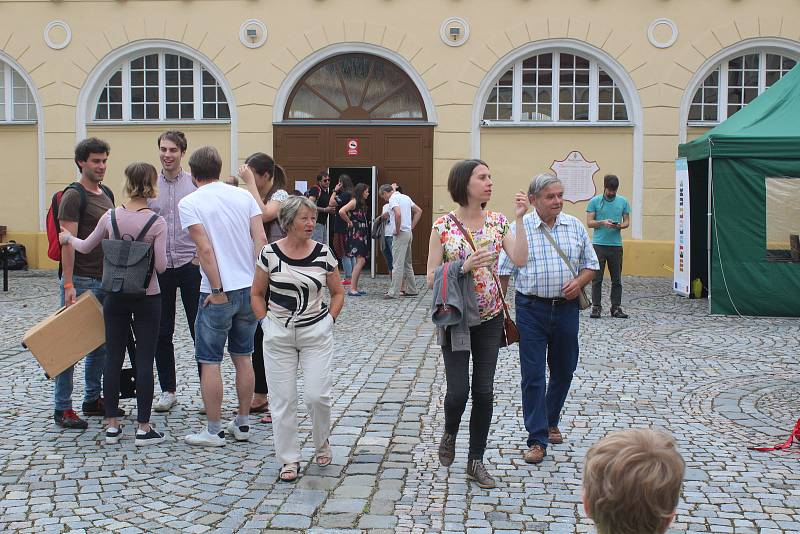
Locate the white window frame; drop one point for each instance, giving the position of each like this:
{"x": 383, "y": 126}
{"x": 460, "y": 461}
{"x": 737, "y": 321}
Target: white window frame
{"x": 8, "y": 95}
{"x": 197, "y": 96}
{"x": 722, "y": 86}
{"x": 516, "y": 102}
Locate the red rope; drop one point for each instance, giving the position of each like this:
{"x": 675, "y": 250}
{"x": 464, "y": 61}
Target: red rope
{"x": 795, "y": 435}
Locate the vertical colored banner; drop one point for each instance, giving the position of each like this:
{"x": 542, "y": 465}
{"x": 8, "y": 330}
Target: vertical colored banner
{"x": 682, "y": 263}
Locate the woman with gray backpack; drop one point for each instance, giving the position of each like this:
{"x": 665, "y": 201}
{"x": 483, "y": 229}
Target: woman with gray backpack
{"x": 134, "y": 245}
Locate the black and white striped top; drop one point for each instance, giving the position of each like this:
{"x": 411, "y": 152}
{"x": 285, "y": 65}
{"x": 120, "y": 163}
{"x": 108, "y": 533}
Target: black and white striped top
{"x": 295, "y": 286}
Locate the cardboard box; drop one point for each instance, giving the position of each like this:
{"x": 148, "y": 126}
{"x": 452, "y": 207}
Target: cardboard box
{"x": 62, "y": 339}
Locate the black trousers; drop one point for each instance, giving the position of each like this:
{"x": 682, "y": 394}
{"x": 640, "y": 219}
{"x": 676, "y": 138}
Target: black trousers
{"x": 258, "y": 362}
{"x": 187, "y": 279}
{"x": 612, "y": 256}
{"x": 146, "y": 315}
{"x": 485, "y": 341}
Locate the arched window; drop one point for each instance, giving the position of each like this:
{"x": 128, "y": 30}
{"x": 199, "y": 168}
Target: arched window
{"x": 555, "y": 87}
{"x": 16, "y": 99}
{"x": 161, "y": 86}
{"x": 735, "y": 82}
{"x": 355, "y": 87}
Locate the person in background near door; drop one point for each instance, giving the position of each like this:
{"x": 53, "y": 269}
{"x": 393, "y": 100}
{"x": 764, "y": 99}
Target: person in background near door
{"x": 232, "y": 180}
{"x": 266, "y": 181}
{"x": 320, "y": 194}
{"x": 131, "y": 220}
{"x": 342, "y": 194}
{"x": 547, "y": 310}
{"x": 183, "y": 271}
{"x": 470, "y": 185}
{"x": 608, "y": 214}
{"x": 388, "y": 234}
{"x": 356, "y": 217}
{"x": 82, "y": 273}
{"x": 406, "y": 217}
{"x": 226, "y": 225}
{"x": 298, "y": 331}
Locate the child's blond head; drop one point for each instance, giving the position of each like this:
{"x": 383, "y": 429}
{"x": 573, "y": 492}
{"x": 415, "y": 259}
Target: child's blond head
{"x": 632, "y": 482}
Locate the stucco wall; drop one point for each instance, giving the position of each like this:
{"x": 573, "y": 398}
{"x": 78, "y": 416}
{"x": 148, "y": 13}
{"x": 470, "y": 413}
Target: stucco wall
{"x": 451, "y": 77}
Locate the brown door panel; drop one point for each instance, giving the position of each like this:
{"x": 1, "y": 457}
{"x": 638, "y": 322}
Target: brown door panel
{"x": 401, "y": 153}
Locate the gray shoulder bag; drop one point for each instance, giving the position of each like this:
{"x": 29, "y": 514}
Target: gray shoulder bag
{"x": 583, "y": 298}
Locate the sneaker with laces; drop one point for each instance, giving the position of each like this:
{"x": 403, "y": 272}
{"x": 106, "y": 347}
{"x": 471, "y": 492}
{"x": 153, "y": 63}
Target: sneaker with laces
{"x": 477, "y": 471}
{"x": 596, "y": 311}
{"x": 165, "y": 402}
{"x": 113, "y": 435}
{"x": 447, "y": 449}
{"x": 205, "y": 439}
{"x": 618, "y": 313}
{"x": 151, "y": 437}
{"x": 98, "y": 407}
{"x": 241, "y": 433}
{"x": 69, "y": 419}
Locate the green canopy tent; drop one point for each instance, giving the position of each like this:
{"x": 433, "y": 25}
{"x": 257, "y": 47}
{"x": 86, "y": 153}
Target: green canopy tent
{"x": 744, "y": 178}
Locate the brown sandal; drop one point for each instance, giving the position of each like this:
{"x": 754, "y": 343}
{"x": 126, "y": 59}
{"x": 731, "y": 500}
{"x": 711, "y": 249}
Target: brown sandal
{"x": 289, "y": 472}
{"x": 324, "y": 455}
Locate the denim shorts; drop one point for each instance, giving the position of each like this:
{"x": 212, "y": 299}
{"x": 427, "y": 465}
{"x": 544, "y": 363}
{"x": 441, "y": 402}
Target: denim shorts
{"x": 233, "y": 321}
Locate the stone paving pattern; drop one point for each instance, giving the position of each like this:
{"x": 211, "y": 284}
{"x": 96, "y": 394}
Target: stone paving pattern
{"x": 716, "y": 383}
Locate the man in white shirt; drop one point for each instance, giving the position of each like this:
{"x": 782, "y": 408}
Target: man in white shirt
{"x": 225, "y": 224}
{"x": 406, "y": 217}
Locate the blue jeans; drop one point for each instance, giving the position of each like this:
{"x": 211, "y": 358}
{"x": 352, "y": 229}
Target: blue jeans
{"x": 387, "y": 251}
{"x": 233, "y": 321}
{"x": 95, "y": 361}
{"x": 547, "y": 333}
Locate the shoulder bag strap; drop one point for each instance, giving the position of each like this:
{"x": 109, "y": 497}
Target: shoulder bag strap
{"x": 146, "y": 227}
{"x": 444, "y": 282}
{"x": 558, "y": 249}
{"x": 468, "y": 236}
{"x": 114, "y": 226}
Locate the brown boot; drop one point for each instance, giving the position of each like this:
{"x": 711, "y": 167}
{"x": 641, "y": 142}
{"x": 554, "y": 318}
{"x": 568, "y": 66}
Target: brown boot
{"x": 554, "y": 435}
{"x": 534, "y": 454}
{"x": 477, "y": 471}
{"x": 447, "y": 449}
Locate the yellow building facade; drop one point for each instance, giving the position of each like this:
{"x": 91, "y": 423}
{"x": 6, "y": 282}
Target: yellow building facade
{"x": 521, "y": 84}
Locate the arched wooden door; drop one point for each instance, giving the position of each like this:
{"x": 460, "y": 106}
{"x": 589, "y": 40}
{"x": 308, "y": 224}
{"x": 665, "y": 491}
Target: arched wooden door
{"x": 373, "y": 101}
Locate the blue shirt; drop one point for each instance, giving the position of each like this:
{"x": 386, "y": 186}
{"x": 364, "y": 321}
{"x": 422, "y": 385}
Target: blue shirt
{"x": 608, "y": 209}
{"x": 546, "y": 273}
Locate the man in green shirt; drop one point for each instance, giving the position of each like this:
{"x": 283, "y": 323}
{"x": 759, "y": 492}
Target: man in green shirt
{"x": 608, "y": 214}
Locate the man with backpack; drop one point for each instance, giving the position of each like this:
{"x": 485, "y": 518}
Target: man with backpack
{"x": 80, "y": 208}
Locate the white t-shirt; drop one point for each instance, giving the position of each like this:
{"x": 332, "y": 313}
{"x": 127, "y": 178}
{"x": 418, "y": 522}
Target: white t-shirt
{"x": 388, "y": 230}
{"x": 404, "y": 202}
{"x": 225, "y": 214}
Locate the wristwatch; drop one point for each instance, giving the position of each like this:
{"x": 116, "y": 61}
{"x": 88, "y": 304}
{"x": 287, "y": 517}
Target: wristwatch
{"x": 217, "y": 290}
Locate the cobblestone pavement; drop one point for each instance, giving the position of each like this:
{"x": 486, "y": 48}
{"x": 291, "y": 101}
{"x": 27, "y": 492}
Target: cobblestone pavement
{"x": 718, "y": 384}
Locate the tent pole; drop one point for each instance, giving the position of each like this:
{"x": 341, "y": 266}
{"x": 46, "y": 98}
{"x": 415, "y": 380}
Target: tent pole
{"x": 708, "y": 232}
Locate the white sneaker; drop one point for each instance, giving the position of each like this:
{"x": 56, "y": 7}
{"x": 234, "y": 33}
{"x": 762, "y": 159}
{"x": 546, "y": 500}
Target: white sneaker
{"x": 206, "y": 439}
{"x": 241, "y": 433}
{"x": 165, "y": 402}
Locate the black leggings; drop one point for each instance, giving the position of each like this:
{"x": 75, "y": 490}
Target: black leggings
{"x": 117, "y": 312}
{"x": 485, "y": 339}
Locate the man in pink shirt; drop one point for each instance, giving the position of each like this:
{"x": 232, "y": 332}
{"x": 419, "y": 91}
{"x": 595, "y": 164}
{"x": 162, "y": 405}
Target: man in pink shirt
{"x": 183, "y": 270}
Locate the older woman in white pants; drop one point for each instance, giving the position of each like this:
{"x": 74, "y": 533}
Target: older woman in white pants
{"x": 298, "y": 330}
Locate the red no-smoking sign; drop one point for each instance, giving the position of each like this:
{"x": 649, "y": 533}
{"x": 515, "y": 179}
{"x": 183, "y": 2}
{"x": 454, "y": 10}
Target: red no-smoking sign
{"x": 352, "y": 147}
